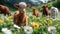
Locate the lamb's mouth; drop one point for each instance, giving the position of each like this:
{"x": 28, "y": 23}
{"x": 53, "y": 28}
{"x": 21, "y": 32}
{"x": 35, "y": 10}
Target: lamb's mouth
{"x": 22, "y": 12}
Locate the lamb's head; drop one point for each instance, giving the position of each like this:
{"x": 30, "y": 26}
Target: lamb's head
{"x": 44, "y": 6}
{"x": 34, "y": 9}
{"x": 22, "y": 5}
{"x": 54, "y": 9}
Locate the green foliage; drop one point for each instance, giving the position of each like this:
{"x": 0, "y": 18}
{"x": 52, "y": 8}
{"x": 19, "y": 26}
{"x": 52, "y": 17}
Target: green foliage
{"x": 50, "y": 5}
{"x": 41, "y": 30}
{"x": 56, "y": 3}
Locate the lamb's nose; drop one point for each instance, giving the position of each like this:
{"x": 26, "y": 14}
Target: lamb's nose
{"x": 22, "y": 12}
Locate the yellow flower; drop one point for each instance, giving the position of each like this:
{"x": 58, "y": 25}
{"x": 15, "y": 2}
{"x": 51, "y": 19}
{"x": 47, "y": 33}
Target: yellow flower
{"x": 9, "y": 17}
{"x": 45, "y": 21}
{"x": 36, "y": 25}
{"x": 1, "y": 21}
{"x": 49, "y": 21}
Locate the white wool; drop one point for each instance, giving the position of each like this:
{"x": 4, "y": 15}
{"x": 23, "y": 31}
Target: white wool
{"x": 22, "y": 4}
{"x": 52, "y": 7}
{"x": 54, "y": 12}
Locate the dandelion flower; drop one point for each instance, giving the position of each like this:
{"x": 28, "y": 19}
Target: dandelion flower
{"x": 49, "y": 21}
{"x": 1, "y": 21}
{"x": 36, "y": 25}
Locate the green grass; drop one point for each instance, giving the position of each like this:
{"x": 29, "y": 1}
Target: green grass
{"x": 42, "y": 29}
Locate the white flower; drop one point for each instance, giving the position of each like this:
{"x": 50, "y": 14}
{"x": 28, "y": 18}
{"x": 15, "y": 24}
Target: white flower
{"x": 29, "y": 14}
{"x": 52, "y": 29}
{"x": 6, "y": 31}
{"x": 16, "y": 26}
{"x": 28, "y": 30}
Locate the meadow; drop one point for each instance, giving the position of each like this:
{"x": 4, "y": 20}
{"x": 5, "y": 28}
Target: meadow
{"x": 39, "y": 24}
{"x": 36, "y": 25}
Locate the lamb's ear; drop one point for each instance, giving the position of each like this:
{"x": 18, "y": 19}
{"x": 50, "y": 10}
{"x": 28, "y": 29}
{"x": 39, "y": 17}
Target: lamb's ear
{"x": 16, "y": 5}
{"x": 28, "y": 5}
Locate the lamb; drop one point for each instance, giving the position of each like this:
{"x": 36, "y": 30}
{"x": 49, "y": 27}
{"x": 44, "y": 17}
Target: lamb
{"x": 46, "y": 11}
{"x": 54, "y": 12}
{"x": 4, "y": 10}
{"x": 20, "y": 17}
{"x": 35, "y": 12}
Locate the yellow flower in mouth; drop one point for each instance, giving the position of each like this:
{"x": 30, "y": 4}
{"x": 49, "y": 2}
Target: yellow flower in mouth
{"x": 36, "y": 25}
{"x": 1, "y": 21}
{"x": 45, "y": 21}
{"x": 49, "y": 21}
{"x": 9, "y": 17}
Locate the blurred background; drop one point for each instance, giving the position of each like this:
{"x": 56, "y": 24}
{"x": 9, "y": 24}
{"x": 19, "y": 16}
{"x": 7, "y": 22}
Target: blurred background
{"x": 33, "y": 3}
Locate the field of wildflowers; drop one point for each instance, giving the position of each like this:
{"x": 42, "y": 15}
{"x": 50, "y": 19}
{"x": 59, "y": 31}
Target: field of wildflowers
{"x": 36, "y": 25}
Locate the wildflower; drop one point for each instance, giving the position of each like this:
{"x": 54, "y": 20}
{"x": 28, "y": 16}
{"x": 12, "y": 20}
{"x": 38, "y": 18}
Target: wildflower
{"x": 1, "y": 21}
{"x": 29, "y": 14}
{"x": 6, "y": 31}
{"x": 28, "y": 30}
{"x": 9, "y": 17}
{"x": 36, "y": 25}
{"x": 52, "y": 29}
{"x": 45, "y": 21}
{"x": 49, "y": 21}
